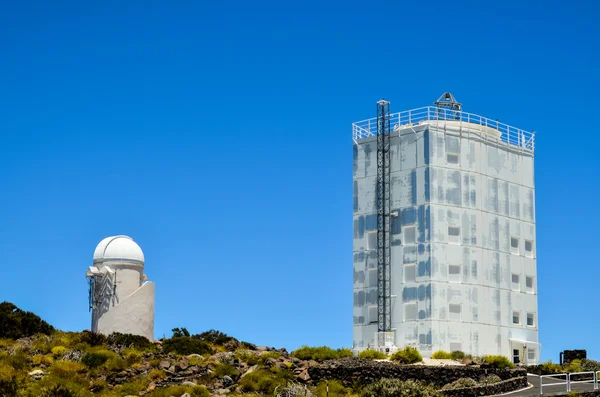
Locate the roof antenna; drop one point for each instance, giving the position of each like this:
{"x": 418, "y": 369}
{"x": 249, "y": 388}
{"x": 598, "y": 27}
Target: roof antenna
{"x": 447, "y": 100}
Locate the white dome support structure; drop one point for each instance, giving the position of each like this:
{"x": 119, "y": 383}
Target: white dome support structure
{"x": 120, "y": 298}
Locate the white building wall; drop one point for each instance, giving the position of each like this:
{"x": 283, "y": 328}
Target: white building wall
{"x": 466, "y": 199}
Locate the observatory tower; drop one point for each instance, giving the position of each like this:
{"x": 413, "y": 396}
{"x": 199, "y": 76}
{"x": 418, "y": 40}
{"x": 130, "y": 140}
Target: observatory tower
{"x": 120, "y": 298}
{"x": 444, "y": 233}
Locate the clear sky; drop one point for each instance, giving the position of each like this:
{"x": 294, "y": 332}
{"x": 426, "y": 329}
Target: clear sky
{"x": 218, "y": 136}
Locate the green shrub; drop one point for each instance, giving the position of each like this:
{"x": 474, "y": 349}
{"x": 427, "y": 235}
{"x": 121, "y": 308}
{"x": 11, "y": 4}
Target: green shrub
{"x": 263, "y": 381}
{"x": 9, "y": 387}
{"x": 460, "y": 384}
{"x": 408, "y": 355}
{"x": 441, "y": 355}
{"x": 248, "y": 356}
{"x": 336, "y": 389}
{"x": 265, "y": 356}
{"x": 498, "y": 361}
{"x": 397, "y": 388}
{"x": 457, "y": 355}
{"x": 186, "y": 345}
{"x": 92, "y": 338}
{"x": 18, "y": 360}
{"x": 573, "y": 366}
{"x": 321, "y": 353}
{"x": 590, "y": 365}
{"x": 129, "y": 340}
{"x": 95, "y": 359}
{"x": 195, "y": 391}
{"x": 549, "y": 367}
{"x": 213, "y": 336}
{"x": 221, "y": 370}
{"x": 372, "y": 355}
{"x": 58, "y": 351}
{"x": 66, "y": 369}
{"x": 490, "y": 379}
{"x": 16, "y": 323}
{"x": 58, "y": 391}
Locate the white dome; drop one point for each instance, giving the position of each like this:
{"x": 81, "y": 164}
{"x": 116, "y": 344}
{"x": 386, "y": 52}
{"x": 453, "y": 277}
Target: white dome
{"x": 120, "y": 248}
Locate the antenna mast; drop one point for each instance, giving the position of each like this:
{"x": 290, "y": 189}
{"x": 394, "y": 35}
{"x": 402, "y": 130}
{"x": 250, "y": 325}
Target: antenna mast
{"x": 384, "y": 322}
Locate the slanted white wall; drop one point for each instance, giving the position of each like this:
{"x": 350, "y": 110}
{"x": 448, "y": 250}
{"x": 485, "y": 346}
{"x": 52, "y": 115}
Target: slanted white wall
{"x": 134, "y": 315}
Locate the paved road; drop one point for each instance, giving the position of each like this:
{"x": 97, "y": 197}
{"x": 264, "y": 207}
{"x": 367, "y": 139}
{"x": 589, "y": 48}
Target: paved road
{"x": 534, "y": 389}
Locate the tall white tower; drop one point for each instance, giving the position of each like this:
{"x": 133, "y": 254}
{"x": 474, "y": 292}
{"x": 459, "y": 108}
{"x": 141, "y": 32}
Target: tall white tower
{"x": 444, "y": 233}
{"x": 121, "y": 300}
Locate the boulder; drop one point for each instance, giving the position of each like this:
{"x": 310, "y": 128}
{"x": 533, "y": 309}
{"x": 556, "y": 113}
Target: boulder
{"x": 36, "y": 374}
{"x": 164, "y": 364}
{"x": 227, "y": 381}
{"x": 188, "y": 383}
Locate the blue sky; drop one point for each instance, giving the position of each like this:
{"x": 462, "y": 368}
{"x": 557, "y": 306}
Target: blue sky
{"x": 218, "y": 136}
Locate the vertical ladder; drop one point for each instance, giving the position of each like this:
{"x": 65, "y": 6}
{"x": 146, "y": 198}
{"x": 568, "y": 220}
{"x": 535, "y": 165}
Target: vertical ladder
{"x": 384, "y": 322}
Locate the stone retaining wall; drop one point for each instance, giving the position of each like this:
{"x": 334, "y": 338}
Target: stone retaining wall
{"x": 497, "y": 388}
{"x": 351, "y": 370}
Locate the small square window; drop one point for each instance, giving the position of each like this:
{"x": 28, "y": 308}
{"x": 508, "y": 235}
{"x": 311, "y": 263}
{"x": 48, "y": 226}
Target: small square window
{"x": 516, "y": 285}
{"x": 453, "y": 234}
{"x": 529, "y": 248}
{"x": 452, "y": 158}
{"x": 409, "y": 235}
{"x": 373, "y": 278}
{"x": 529, "y": 283}
{"x": 373, "y": 315}
{"x": 454, "y": 272}
{"x": 530, "y": 320}
{"x": 515, "y": 317}
{"x": 514, "y": 245}
{"x": 410, "y": 273}
{"x": 455, "y": 347}
{"x": 454, "y": 310}
{"x": 410, "y": 312}
{"x": 530, "y": 355}
{"x": 372, "y": 240}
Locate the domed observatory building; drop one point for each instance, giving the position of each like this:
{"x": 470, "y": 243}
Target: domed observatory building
{"x": 120, "y": 297}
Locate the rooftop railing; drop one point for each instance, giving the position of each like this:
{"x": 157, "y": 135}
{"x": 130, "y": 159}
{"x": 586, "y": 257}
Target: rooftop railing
{"x": 511, "y": 136}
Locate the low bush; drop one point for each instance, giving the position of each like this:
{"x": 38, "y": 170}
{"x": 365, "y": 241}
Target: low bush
{"x": 321, "y": 353}
{"x": 408, "y": 355}
{"x": 42, "y": 359}
{"x": 332, "y": 388}
{"x": 215, "y": 337}
{"x": 490, "y": 379}
{"x": 549, "y": 367}
{"x": 590, "y": 365}
{"x": 248, "y": 356}
{"x": 441, "y": 355}
{"x": 397, "y": 388}
{"x": 92, "y": 338}
{"x": 58, "y": 351}
{"x": 9, "y": 387}
{"x": 129, "y": 340}
{"x": 372, "y": 355}
{"x": 195, "y": 391}
{"x": 18, "y": 360}
{"x": 500, "y": 362}
{"x": 58, "y": 391}
{"x": 457, "y": 355}
{"x": 460, "y": 384}
{"x": 95, "y": 359}
{"x": 573, "y": 366}
{"x": 263, "y": 381}
{"x": 186, "y": 345}
{"x": 156, "y": 374}
{"x": 221, "y": 370}
{"x": 66, "y": 369}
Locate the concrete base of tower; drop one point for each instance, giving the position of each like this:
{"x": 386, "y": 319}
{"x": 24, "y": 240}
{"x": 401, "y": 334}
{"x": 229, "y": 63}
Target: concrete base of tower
{"x": 385, "y": 342}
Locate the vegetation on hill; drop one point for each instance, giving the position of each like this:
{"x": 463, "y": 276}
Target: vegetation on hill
{"x": 16, "y": 323}
{"x": 37, "y": 360}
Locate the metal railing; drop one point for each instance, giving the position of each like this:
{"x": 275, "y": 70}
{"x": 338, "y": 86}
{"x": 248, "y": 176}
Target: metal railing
{"x": 595, "y": 377}
{"x": 512, "y": 136}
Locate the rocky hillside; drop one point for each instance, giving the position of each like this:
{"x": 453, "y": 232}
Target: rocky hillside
{"x": 37, "y": 360}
